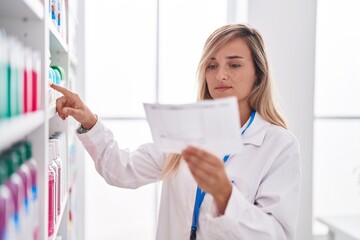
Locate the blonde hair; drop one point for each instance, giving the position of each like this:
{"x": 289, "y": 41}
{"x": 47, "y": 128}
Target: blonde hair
{"x": 261, "y": 97}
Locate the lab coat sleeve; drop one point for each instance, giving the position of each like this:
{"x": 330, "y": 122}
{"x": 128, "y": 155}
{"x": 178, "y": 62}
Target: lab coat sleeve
{"x": 120, "y": 167}
{"x": 275, "y": 211}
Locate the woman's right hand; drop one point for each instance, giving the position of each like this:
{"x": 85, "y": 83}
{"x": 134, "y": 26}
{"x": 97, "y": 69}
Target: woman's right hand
{"x": 71, "y": 105}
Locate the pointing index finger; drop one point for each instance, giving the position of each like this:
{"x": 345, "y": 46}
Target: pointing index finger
{"x": 60, "y": 89}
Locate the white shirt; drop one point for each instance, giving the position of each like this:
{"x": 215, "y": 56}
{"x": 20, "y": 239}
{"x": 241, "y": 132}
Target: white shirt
{"x": 266, "y": 185}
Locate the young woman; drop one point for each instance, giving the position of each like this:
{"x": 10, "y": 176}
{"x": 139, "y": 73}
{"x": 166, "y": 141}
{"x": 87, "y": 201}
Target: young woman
{"x": 250, "y": 195}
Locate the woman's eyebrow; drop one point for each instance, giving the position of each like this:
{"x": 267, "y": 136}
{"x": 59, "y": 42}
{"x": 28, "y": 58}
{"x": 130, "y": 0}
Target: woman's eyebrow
{"x": 229, "y": 57}
{"x": 233, "y": 57}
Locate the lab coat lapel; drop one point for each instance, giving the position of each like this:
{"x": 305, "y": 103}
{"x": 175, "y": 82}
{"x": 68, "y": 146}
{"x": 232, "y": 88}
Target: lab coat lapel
{"x": 256, "y": 132}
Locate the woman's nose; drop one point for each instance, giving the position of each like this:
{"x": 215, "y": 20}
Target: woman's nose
{"x": 222, "y": 74}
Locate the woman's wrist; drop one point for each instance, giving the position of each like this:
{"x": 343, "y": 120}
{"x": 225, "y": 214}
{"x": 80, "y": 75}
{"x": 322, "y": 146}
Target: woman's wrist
{"x": 90, "y": 123}
{"x": 222, "y": 198}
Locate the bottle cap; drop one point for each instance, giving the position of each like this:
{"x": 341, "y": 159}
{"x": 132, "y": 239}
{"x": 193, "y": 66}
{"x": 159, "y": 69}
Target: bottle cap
{"x": 57, "y": 76}
{"x": 61, "y": 71}
{"x": 12, "y": 161}
{"x": 3, "y": 171}
{"x": 21, "y": 152}
{"x": 28, "y": 148}
{"x": 51, "y": 75}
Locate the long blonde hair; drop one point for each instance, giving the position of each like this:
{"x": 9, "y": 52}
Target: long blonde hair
{"x": 261, "y": 96}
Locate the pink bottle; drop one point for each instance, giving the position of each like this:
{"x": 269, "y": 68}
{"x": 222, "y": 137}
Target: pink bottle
{"x": 52, "y": 156}
{"x": 58, "y": 162}
{"x": 51, "y": 219}
{"x": 24, "y": 172}
{"x": 27, "y": 98}
{"x": 3, "y": 218}
{"x": 36, "y": 68}
{"x": 6, "y": 205}
{"x": 15, "y": 185}
{"x": 33, "y": 199}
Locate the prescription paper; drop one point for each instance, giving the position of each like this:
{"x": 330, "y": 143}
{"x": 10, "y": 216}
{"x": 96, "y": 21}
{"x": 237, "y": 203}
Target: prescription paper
{"x": 213, "y": 125}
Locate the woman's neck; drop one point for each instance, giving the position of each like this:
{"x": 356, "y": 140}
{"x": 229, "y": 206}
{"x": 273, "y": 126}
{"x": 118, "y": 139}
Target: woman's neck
{"x": 245, "y": 112}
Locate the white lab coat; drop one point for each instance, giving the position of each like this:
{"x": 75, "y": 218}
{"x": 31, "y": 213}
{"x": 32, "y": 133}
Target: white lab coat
{"x": 266, "y": 183}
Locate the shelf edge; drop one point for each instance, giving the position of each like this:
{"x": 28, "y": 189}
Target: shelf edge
{"x": 15, "y": 129}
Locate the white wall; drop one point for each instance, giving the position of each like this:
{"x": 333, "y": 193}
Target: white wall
{"x": 288, "y": 28}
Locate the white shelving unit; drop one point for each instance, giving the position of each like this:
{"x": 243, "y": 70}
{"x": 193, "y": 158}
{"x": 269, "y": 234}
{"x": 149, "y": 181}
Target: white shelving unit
{"x": 19, "y": 127}
{"x": 28, "y": 21}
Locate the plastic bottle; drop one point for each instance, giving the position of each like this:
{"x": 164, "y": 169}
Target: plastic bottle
{"x": 15, "y": 76}
{"x": 61, "y": 71}
{"x": 54, "y": 166}
{"x": 51, "y": 203}
{"x": 53, "y": 12}
{"x": 56, "y": 80}
{"x": 10, "y": 52}
{"x": 63, "y": 156}
{"x": 58, "y": 162}
{"x": 56, "y": 76}
{"x": 15, "y": 185}
{"x": 4, "y": 201}
{"x": 7, "y": 228}
{"x": 27, "y": 93}
{"x": 36, "y": 93}
{"x": 24, "y": 172}
{"x": 51, "y": 91}
{"x": 58, "y": 15}
{"x": 34, "y": 202}
{"x": 4, "y": 93}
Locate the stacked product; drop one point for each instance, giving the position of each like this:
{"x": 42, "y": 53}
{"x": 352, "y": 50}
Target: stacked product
{"x": 19, "y": 77}
{"x": 18, "y": 193}
{"x": 57, "y": 176}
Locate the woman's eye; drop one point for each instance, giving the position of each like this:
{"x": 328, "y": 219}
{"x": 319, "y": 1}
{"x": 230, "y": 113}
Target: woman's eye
{"x": 211, "y": 66}
{"x": 235, "y": 65}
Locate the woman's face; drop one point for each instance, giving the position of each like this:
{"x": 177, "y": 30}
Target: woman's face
{"x": 231, "y": 72}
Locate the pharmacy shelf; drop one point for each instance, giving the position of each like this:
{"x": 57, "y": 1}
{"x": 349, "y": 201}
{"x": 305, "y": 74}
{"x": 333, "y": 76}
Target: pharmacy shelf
{"x": 57, "y": 43}
{"x": 51, "y": 112}
{"x": 63, "y": 208}
{"x": 17, "y": 128}
{"x": 22, "y": 9}
{"x": 29, "y": 21}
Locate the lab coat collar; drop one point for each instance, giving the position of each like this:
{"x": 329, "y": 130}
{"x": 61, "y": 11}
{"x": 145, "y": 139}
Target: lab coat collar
{"x": 256, "y": 132}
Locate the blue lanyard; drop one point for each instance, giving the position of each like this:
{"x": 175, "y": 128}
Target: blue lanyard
{"x": 201, "y": 194}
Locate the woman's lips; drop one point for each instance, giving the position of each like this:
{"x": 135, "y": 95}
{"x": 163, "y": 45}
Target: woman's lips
{"x": 222, "y": 88}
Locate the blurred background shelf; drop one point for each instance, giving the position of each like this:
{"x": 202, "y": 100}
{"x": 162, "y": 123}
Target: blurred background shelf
{"x": 23, "y": 9}
{"x": 57, "y": 43}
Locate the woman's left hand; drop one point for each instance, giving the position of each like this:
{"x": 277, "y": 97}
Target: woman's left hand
{"x": 209, "y": 172}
